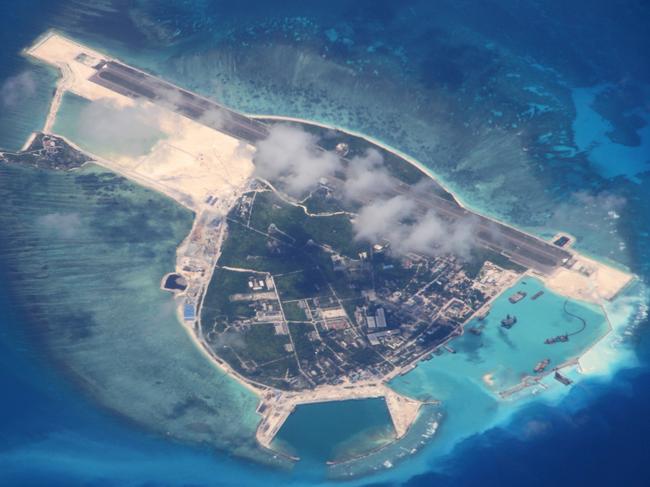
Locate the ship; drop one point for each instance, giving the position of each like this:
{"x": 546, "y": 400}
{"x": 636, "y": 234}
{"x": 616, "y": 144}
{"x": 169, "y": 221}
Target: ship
{"x": 557, "y": 339}
{"x": 509, "y": 321}
{"x": 562, "y": 379}
{"x": 541, "y": 366}
{"x": 537, "y": 295}
{"x": 518, "y": 296}
{"x": 475, "y": 331}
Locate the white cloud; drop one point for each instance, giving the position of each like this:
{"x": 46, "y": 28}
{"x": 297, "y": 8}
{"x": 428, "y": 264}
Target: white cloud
{"x": 383, "y": 219}
{"x": 128, "y": 129}
{"x": 366, "y": 177}
{"x": 214, "y": 118}
{"x": 394, "y": 220}
{"x": 291, "y": 155}
{"x": 17, "y": 88}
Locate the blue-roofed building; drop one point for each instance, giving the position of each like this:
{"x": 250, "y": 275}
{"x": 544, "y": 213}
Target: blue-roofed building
{"x": 189, "y": 314}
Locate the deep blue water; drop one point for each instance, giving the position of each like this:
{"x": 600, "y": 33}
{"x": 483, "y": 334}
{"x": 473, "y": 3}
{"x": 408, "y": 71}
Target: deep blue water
{"x": 487, "y": 78}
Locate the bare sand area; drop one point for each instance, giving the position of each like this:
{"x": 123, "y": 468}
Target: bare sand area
{"x": 588, "y": 280}
{"x": 193, "y": 162}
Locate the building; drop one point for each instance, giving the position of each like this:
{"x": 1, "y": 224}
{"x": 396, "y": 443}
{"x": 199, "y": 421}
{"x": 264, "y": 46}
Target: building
{"x": 373, "y": 338}
{"x": 381, "y": 318}
{"x": 189, "y": 313}
{"x": 372, "y": 323}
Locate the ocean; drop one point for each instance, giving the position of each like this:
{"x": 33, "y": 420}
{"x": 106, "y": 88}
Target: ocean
{"x": 536, "y": 113}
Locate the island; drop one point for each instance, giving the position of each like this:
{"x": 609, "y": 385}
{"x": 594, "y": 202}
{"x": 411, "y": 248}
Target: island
{"x": 284, "y": 288}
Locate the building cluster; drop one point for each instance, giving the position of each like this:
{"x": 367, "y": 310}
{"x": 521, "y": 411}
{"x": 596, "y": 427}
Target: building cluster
{"x": 379, "y": 313}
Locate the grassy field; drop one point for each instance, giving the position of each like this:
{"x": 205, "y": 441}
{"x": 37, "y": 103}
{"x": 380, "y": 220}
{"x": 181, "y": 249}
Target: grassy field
{"x": 248, "y": 249}
{"x": 307, "y": 283}
{"x": 293, "y": 312}
{"x": 217, "y": 307}
{"x": 260, "y": 343}
{"x": 304, "y": 347}
{"x": 298, "y": 228}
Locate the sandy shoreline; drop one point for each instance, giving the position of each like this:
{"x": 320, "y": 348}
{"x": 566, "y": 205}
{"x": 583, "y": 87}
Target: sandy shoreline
{"x": 603, "y": 283}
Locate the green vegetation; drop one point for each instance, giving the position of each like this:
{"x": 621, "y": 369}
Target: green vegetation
{"x": 261, "y": 344}
{"x": 404, "y": 172}
{"x": 307, "y": 283}
{"x": 316, "y": 260}
{"x": 390, "y": 273}
{"x": 47, "y": 152}
{"x": 276, "y": 372}
{"x": 295, "y": 227}
{"x": 248, "y": 249}
{"x": 305, "y": 348}
{"x": 320, "y": 202}
{"x": 259, "y": 353}
{"x": 293, "y": 312}
{"x": 350, "y": 304}
{"x": 217, "y": 307}
{"x": 358, "y": 146}
{"x": 342, "y": 285}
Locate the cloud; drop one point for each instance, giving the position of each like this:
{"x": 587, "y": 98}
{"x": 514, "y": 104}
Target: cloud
{"x": 395, "y": 220}
{"x": 17, "y": 88}
{"x": 244, "y": 150}
{"x": 383, "y": 219}
{"x": 130, "y": 129}
{"x": 65, "y": 225}
{"x": 215, "y": 118}
{"x": 432, "y": 235}
{"x": 291, "y": 155}
{"x": 366, "y": 177}
{"x": 172, "y": 99}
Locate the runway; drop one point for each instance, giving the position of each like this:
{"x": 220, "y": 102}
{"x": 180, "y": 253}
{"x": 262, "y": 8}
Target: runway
{"x": 522, "y": 248}
{"x": 136, "y": 84}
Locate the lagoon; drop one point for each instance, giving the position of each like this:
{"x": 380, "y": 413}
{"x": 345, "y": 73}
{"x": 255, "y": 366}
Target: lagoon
{"x": 335, "y": 431}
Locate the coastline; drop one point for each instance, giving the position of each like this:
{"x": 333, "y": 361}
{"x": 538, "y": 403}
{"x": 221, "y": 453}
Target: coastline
{"x": 63, "y": 86}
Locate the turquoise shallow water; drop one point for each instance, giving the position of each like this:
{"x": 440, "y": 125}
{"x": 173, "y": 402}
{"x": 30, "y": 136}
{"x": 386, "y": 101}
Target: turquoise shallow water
{"x": 465, "y": 89}
{"x": 508, "y": 356}
{"x": 104, "y": 129}
{"x": 85, "y": 253}
{"x": 469, "y": 380}
{"x": 336, "y": 430}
